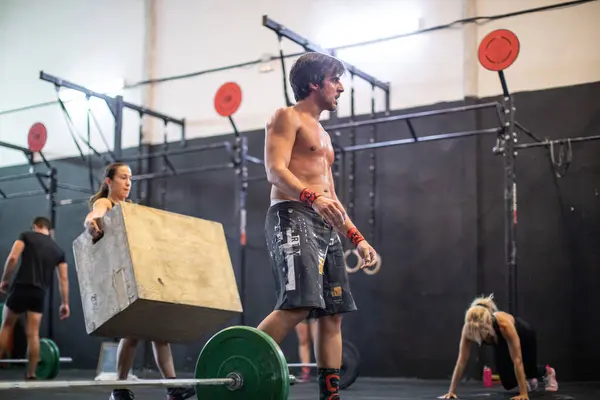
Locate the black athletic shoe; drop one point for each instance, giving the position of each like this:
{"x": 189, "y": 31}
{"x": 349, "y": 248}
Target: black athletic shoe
{"x": 122, "y": 394}
{"x": 181, "y": 393}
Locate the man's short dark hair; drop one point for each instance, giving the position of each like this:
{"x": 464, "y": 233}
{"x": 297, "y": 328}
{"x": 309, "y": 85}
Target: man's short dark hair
{"x": 313, "y": 68}
{"x": 42, "y": 222}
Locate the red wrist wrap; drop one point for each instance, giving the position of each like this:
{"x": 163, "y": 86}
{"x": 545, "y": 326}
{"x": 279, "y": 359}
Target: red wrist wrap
{"x": 355, "y": 236}
{"x": 308, "y": 196}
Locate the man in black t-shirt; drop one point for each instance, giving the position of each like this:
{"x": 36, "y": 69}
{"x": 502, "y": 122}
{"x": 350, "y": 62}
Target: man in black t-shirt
{"x": 40, "y": 255}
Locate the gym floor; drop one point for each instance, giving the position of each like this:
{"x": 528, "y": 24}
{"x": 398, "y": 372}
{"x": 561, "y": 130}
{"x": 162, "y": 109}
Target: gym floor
{"x": 362, "y": 389}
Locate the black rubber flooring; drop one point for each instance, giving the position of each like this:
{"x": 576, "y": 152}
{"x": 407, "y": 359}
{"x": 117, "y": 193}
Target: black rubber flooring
{"x": 363, "y": 389}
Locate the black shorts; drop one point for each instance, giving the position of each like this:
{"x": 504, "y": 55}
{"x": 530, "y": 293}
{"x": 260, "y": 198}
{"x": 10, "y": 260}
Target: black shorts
{"x": 307, "y": 258}
{"x": 22, "y": 298}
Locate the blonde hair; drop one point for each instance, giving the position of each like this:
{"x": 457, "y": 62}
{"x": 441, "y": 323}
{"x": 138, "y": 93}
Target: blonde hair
{"x": 479, "y": 319}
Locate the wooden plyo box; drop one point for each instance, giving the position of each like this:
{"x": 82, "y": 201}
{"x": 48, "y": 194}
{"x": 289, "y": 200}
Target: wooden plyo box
{"x": 155, "y": 275}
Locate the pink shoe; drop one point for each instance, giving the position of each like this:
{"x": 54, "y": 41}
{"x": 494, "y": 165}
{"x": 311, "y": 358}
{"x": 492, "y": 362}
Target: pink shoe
{"x": 550, "y": 380}
{"x": 305, "y": 376}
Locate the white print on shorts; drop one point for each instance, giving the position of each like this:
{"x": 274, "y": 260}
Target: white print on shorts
{"x": 290, "y": 248}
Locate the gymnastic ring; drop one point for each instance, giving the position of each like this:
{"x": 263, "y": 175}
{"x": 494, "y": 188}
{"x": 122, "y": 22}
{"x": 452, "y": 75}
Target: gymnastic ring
{"x": 376, "y": 268}
{"x": 359, "y": 261}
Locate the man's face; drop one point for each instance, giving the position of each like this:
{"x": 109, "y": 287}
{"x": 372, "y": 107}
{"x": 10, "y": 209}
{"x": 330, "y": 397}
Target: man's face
{"x": 329, "y": 92}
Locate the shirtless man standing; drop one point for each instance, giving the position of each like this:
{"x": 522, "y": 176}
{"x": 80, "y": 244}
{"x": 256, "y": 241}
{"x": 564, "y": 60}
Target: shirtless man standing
{"x": 305, "y": 217}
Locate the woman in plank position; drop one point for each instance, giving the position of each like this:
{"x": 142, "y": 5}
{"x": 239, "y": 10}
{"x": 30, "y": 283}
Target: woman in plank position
{"x": 115, "y": 189}
{"x": 514, "y": 344}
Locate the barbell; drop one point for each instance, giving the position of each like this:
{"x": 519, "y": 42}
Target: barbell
{"x": 239, "y": 362}
{"x": 50, "y": 360}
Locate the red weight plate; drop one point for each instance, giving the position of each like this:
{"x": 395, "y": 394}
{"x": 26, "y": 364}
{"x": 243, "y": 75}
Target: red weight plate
{"x": 228, "y": 99}
{"x": 498, "y": 50}
{"x": 37, "y": 137}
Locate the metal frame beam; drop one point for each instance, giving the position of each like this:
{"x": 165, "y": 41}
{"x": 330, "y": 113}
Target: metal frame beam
{"x": 16, "y": 177}
{"x": 15, "y": 147}
{"x": 220, "y": 145}
{"x": 90, "y": 93}
{"x": 402, "y": 117}
{"x": 550, "y": 143}
{"x": 430, "y": 138}
{"x": 187, "y": 171}
{"x": 281, "y": 30}
{"x": 21, "y": 195}
{"x": 116, "y": 105}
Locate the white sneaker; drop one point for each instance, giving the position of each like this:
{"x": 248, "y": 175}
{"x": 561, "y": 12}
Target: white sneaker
{"x": 532, "y": 385}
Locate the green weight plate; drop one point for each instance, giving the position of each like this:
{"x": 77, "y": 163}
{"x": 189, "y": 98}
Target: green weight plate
{"x": 47, "y": 367}
{"x": 56, "y": 360}
{"x": 253, "y": 355}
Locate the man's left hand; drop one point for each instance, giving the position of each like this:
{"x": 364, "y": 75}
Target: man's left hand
{"x": 367, "y": 254}
{"x": 64, "y": 311}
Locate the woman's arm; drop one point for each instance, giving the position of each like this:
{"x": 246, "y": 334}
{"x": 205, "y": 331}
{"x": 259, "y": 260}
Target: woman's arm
{"x": 99, "y": 209}
{"x": 509, "y": 332}
{"x": 464, "y": 352}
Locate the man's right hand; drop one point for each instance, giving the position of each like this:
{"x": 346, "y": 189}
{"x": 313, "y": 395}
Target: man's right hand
{"x": 448, "y": 395}
{"x": 367, "y": 254}
{"x": 331, "y": 210}
{"x": 4, "y": 286}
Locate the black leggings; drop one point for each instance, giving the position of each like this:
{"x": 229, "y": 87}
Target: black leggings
{"x": 506, "y": 368}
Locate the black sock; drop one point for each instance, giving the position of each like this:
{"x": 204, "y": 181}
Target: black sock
{"x": 329, "y": 383}
{"x": 170, "y": 390}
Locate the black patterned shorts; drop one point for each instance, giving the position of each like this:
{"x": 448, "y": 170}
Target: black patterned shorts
{"x": 307, "y": 258}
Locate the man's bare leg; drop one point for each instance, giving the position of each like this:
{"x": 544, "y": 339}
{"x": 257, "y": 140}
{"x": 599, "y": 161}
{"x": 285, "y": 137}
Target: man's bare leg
{"x": 32, "y": 331}
{"x": 328, "y": 352}
{"x": 164, "y": 359}
{"x": 9, "y": 321}
{"x": 280, "y": 322}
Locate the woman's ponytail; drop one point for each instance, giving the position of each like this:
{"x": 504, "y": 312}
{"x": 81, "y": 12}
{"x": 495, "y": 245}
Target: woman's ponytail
{"x": 102, "y": 192}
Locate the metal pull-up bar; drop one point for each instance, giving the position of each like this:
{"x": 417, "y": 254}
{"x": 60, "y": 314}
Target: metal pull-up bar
{"x": 402, "y": 117}
{"x": 90, "y": 93}
{"x": 15, "y": 147}
{"x": 282, "y": 31}
{"x": 443, "y": 136}
{"x": 116, "y": 105}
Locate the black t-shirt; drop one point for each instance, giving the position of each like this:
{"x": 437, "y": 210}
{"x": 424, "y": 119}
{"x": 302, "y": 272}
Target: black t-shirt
{"x": 40, "y": 257}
